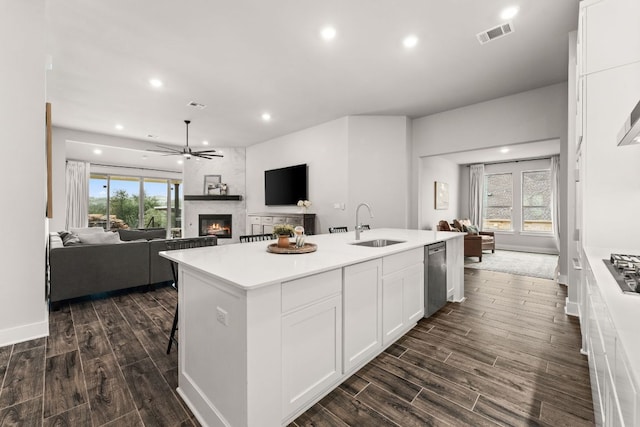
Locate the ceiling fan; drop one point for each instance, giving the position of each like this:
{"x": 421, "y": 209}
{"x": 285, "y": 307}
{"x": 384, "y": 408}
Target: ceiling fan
{"x": 186, "y": 151}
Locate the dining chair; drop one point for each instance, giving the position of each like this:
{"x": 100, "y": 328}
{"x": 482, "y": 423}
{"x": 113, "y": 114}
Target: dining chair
{"x": 338, "y": 229}
{"x": 176, "y": 244}
{"x": 256, "y": 238}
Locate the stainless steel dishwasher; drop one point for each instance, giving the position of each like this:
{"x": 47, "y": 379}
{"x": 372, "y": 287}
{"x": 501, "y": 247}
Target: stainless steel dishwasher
{"x": 435, "y": 277}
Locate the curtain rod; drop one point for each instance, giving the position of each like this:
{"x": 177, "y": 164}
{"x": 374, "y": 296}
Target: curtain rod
{"x": 515, "y": 161}
{"x": 125, "y": 167}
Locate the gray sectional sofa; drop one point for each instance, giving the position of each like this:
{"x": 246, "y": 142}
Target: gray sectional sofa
{"x": 84, "y": 269}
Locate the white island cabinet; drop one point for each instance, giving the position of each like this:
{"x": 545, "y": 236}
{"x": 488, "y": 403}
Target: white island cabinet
{"x": 264, "y": 336}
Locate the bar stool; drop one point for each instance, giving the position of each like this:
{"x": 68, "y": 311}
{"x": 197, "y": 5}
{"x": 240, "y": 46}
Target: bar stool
{"x": 187, "y": 243}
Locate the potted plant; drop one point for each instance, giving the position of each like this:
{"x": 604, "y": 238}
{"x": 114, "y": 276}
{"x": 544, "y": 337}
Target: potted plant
{"x": 283, "y": 231}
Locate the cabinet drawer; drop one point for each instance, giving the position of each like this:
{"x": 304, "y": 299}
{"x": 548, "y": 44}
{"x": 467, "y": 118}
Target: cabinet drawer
{"x": 402, "y": 260}
{"x": 279, "y": 220}
{"x": 266, "y": 220}
{"x": 254, "y": 220}
{"x": 300, "y": 292}
{"x": 294, "y": 220}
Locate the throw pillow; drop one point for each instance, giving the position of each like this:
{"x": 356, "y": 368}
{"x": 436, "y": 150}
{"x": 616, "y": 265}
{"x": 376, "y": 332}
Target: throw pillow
{"x": 472, "y": 229}
{"x": 87, "y": 230}
{"x": 99, "y": 238}
{"x": 69, "y": 238}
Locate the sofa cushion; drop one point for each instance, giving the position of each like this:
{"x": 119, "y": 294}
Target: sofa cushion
{"x": 99, "y": 238}
{"x": 68, "y": 238}
{"x": 472, "y": 229}
{"x": 86, "y": 230}
{"x": 156, "y": 233}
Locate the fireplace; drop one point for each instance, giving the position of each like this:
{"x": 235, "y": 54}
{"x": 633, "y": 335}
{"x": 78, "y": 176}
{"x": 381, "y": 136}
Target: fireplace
{"x": 215, "y": 225}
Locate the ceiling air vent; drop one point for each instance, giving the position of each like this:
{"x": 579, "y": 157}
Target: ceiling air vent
{"x": 197, "y": 105}
{"x": 495, "y": 33}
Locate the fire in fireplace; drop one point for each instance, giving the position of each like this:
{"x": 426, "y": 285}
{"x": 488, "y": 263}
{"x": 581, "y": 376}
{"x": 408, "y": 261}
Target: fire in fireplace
{"x": 215, "y": 225}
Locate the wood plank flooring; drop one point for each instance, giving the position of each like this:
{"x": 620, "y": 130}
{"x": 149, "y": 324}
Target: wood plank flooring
{"x": 506, "y": 356}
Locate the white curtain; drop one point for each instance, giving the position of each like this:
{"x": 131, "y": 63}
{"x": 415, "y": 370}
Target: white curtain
{"x": 77, "y": 185}
{"x": 476, "y": 190}
{"x": 555, "y": 198}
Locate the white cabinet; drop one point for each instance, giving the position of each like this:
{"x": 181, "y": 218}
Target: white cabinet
{"x": 262, "y": 223}
{"x": 610, "y": 34}
{"x": 614, "y": 391}
{"x": 362, "y": 309}
{"x": 402, "y": 293}
{"x": 311, "y": 338}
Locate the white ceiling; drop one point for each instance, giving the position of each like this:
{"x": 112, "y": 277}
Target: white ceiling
{"x": 244, "y": 57}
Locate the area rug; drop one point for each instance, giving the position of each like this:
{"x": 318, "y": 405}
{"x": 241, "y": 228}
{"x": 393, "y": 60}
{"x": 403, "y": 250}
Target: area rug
{"x": 519, "y": 263}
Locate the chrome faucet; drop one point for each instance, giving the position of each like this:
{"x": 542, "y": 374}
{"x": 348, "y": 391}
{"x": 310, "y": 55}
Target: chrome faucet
{"x": 358, "y": 225}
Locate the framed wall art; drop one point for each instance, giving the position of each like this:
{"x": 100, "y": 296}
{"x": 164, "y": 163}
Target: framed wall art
{"x": 441, "y": 195}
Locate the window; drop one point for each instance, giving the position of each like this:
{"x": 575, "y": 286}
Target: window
{"x": 498, "y": 202}
{"x": 134, "y": 202}
{"x": 536, "y": 201}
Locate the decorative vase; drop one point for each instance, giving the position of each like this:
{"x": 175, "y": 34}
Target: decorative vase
{"x": 283, "y": 240}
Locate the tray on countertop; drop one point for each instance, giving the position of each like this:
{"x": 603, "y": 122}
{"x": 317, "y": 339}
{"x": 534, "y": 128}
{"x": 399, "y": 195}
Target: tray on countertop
{"x": 292, "y": 249}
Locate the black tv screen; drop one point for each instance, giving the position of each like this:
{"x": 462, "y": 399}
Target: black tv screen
{"x": 285, "y": 186}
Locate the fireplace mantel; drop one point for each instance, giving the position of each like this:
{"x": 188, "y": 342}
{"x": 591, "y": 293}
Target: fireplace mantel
{"x": 194, "y": 197}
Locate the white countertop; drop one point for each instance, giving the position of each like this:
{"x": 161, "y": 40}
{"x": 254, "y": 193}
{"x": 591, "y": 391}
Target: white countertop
{"x": 623, "y": 309}
{"x": 249, "y": 265}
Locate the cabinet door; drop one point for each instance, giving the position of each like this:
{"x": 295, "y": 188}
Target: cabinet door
{"x": 311, "y": 352}
{"x": 402, "y": 301}
{"x": 612, "y": 34}
{"x": 256, "y": 229}
{"x": 267, "y": 229}
{"x": 413, "y": 292}
{"x": 362, "y": 299}
{"x": 392, "y": 300}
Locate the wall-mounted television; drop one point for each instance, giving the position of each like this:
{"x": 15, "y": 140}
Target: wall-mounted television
{"x": 285, "y": 186}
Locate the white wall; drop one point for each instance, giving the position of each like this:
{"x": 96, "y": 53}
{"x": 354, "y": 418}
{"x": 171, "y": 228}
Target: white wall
{"x": 351, "y": 160}
{"x": 23, "y": 309}
{"x": 377, "y": 168}
{"x": 232, "y": 169}
{"x": 434, "y": 169}
{"x": 324, "y": 149}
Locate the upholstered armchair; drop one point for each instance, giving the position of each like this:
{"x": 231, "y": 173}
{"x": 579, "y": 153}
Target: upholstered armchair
{"x": 474, "y": 241}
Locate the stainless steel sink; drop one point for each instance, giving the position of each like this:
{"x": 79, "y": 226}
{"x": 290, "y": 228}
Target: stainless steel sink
{"x": 377, "y": 243}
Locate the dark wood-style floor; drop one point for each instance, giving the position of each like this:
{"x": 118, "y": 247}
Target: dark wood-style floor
{"x": 506, "y": 356}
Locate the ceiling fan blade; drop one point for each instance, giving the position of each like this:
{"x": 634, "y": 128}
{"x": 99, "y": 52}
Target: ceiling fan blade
{"x": 165, "y": 149}
{"x": 205, "y": 151}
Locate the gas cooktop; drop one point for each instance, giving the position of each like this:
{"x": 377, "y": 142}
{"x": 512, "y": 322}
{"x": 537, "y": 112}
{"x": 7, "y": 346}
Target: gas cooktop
{"x": 626, "y": 270}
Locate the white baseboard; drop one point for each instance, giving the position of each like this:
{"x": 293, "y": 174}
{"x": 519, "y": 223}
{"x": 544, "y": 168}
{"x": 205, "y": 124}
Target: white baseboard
{"x": 527, "y": 249}
{"x": 562, "y": 279}
{"x": 24, "y": 333}
{"x": 571, "y": 308}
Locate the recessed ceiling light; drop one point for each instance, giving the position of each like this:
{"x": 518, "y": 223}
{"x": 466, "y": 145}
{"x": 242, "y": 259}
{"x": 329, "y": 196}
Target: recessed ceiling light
{"x": 119, "y": 127}
{"x": 179, "y": 162}
{"x": 637, "y": 139}
{"x": 328, "y": 33}
{"x": 97, "y": 151}
{"x": 155, "y": 82}
{"x": 266, "y": 117}
{"x": 509, "y": 12}
{"x": 410, "y": 41}
{"x": 205, "y": 142}
{"x": 504, "y": 150}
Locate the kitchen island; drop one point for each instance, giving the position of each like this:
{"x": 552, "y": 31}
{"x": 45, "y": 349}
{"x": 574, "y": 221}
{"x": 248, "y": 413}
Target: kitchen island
{"x": 264, "y": 336}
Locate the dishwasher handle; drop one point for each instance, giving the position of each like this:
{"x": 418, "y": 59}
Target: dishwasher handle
{"x": 434, "y": 249}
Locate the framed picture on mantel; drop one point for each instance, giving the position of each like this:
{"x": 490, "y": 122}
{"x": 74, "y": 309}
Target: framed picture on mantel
{"x": 212, "y": 184}
{"x": 442, "y": 195}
